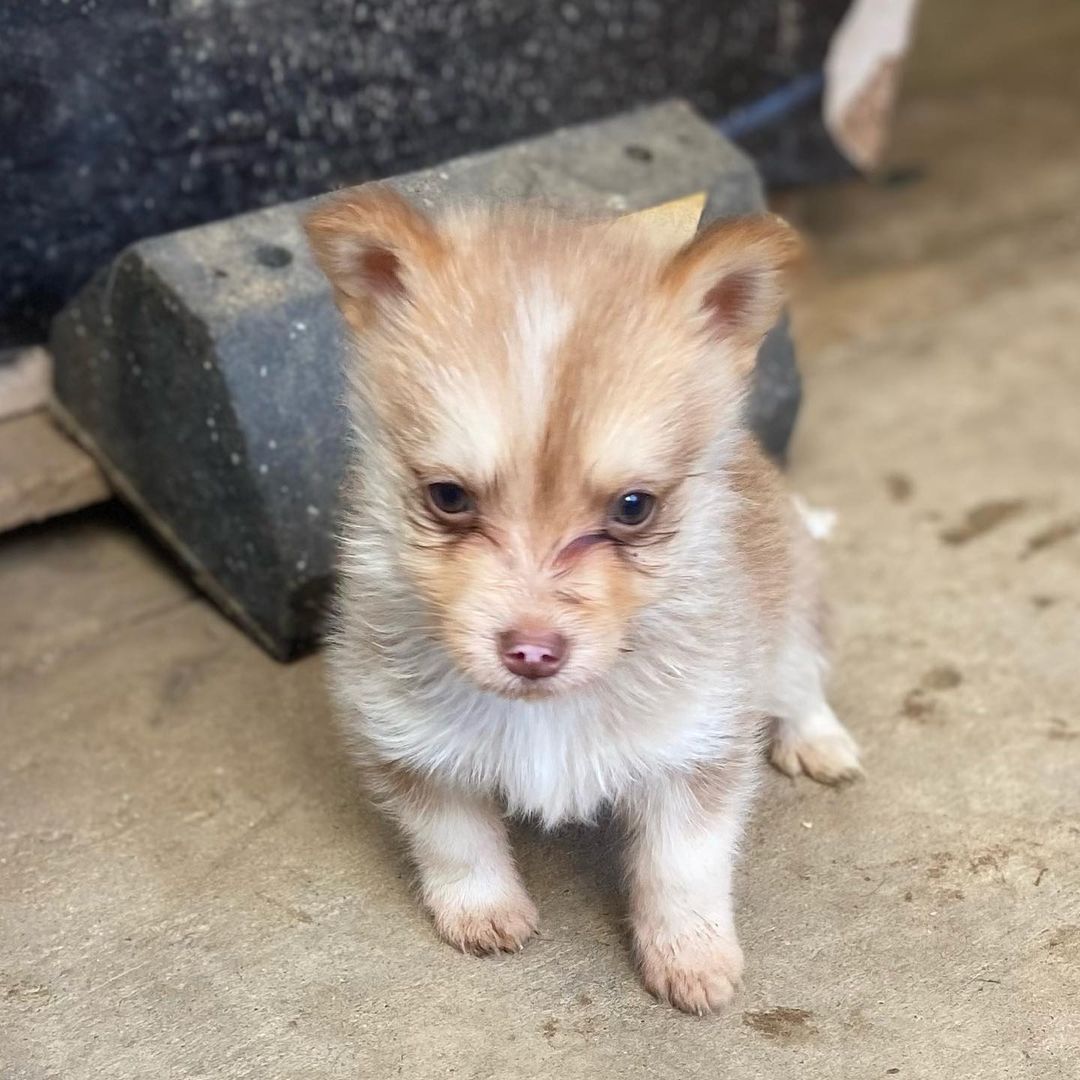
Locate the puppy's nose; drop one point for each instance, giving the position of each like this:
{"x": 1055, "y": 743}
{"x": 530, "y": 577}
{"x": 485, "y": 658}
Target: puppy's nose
{"x": 532, "y": 654}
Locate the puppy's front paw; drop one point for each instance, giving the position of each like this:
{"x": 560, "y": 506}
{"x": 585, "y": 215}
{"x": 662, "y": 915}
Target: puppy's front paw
{"x": 697, "y": 972}
{"x": 817, "y": 745}
{"x": 482, "y": 929}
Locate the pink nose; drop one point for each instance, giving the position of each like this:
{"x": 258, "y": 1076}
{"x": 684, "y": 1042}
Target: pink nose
{"x": 532, "y": 654}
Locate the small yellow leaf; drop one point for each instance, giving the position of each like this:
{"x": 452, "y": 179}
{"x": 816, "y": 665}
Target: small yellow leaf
{"x": 672, "y": 222}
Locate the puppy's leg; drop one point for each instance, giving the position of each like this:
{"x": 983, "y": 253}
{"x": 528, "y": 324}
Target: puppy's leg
{"x": 468, "y": 880}
{"x": 684, "y": 833}
{"x": 806, "y": 735}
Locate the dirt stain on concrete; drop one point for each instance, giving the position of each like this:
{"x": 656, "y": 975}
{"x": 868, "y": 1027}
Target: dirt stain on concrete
{"x": 981, "y": 519}
{"x": 899, "y": 487}
{"x": 1059, "y": 731}
{"x": 1051, "y": 535}
{"x": 782, "y": 1023}
{"x": 918, "y": 705}
{"x": 942, "y": 677}
{"x": 990, "y": 859}
{"x": 939, "y": 863}
{"x": 182, "y": 679}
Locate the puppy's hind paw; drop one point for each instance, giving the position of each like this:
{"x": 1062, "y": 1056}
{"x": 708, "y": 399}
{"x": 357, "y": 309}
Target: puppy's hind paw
{"x": 818, "y": 746}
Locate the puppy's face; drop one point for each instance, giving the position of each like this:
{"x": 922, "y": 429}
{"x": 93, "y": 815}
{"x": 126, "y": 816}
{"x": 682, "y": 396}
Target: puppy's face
{"x": 548, "y": 398}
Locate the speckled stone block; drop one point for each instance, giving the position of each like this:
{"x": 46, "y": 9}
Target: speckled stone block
{"x": 202, "y": 368}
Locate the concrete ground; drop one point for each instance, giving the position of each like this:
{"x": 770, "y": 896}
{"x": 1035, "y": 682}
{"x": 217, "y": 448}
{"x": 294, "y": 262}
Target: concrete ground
{"x": 192, "y": 887}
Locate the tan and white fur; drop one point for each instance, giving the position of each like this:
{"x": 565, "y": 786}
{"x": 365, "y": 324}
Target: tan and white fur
{"x": 511, "y": 640}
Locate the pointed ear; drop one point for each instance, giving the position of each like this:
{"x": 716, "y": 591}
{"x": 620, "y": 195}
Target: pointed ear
{"x": 733, "y": 274}
{"x": 370, "y": 243}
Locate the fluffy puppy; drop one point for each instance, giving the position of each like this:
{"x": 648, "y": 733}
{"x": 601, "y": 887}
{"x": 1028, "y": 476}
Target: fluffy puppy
{"x": 569, "y": 578}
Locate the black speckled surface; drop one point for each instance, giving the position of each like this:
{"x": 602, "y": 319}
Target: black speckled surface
{"x": 121, "y": 119}
{"x": 203, "y": 368}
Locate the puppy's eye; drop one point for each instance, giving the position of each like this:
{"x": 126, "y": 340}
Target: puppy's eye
{"x": 450, "y": 500}
{"x": 633, "y": 508}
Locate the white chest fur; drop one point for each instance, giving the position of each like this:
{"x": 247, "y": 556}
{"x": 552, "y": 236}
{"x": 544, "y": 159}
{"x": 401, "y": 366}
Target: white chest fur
{"x": 559, "y": 759}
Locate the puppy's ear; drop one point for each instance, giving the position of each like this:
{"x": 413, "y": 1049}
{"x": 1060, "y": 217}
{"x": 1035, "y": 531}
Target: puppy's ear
{"x": 371, "y": 243}
{"x": 733, "y": 276}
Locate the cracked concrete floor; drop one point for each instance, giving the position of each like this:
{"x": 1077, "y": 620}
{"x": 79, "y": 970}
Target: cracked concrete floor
{"x": 191, "y": 887}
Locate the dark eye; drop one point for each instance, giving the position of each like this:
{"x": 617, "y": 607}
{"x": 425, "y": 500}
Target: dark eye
{"x": 633, "y": 508}
{"x": 450, "y": 500}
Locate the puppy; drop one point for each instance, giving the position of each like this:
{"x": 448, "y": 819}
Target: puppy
{"x": 569, "y": 578}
